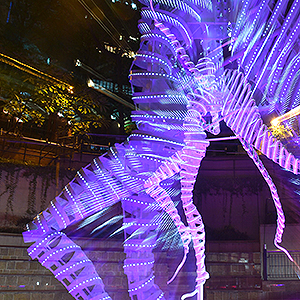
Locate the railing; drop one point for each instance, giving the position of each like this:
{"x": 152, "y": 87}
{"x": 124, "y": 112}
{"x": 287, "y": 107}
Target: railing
{"x": 280, "y": 267}
{"x": 70, "y": 152}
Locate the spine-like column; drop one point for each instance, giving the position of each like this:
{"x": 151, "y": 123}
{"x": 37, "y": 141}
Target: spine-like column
{"x": 192, "y": 155}
{"x": 140, "y": 226}
{"x": 166, "y": 170}
{"x": 195, "y": 146}
{"x": 70, "y": 266}
{"x": 280, "y": 214}
{"x": 140, "y": 222}
{"x": 156, "y": 148}
{"x": 242, "y": 116}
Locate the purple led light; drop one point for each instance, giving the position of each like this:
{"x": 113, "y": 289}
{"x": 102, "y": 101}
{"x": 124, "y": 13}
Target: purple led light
{"x": 177, "y": 79}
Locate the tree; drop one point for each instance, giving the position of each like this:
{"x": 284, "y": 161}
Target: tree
{"x": 50, "y": 35}
{"x": 27, "y": 99}
{"x": 81, "y": 111}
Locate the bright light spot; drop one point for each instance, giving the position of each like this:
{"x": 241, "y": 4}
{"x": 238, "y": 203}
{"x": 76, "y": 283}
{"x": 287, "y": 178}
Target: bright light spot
{"x": 70, "y": 89}
{"x": 129, "y": 54}
{"x": 133, "y": 5}
{"x": 133, "y": 38}
{"x": 90, "y": 83}
{"x": 37, "y": 283}
{"x": 290, "y": 114}
{"x": 119, "y": 125}
{"x": 229, "y": 34}
{"x": 275, "y": 122}
{"x": 78, "y": 63}
{"x": 120, "y": 38}
{"x": 110, "y": 48}
{"x": 19, "y": 120}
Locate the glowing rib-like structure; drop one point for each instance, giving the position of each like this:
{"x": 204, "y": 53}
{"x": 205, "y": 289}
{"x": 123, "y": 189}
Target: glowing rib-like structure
{"x": 178, "y": 78}
{"x": 244, "y": 119}
{"x": 245, "y": 113}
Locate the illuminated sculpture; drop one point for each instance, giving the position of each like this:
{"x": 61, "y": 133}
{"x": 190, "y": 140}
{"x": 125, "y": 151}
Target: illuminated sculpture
{"x": 179, "y": 75}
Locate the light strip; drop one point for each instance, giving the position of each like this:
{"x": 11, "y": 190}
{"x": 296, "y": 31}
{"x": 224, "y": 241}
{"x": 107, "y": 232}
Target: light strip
{"x": 290, "y": 114}
{"x": 30, "y": 70}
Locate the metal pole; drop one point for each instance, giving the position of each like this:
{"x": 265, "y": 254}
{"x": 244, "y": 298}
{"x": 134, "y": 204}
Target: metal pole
{"x": 265, "y": 264}
{"x": 200, "y": 295}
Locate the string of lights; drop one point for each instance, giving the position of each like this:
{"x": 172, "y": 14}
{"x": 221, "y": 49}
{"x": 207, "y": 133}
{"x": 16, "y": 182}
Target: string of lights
{"x": 31, "y": 70}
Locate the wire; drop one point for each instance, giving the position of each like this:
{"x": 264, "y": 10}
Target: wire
{"x": 30, "y": 70}
{"x": 121, "y": 21}
{"x": 100, "y": 22}
{"x": 103, "y": 14}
